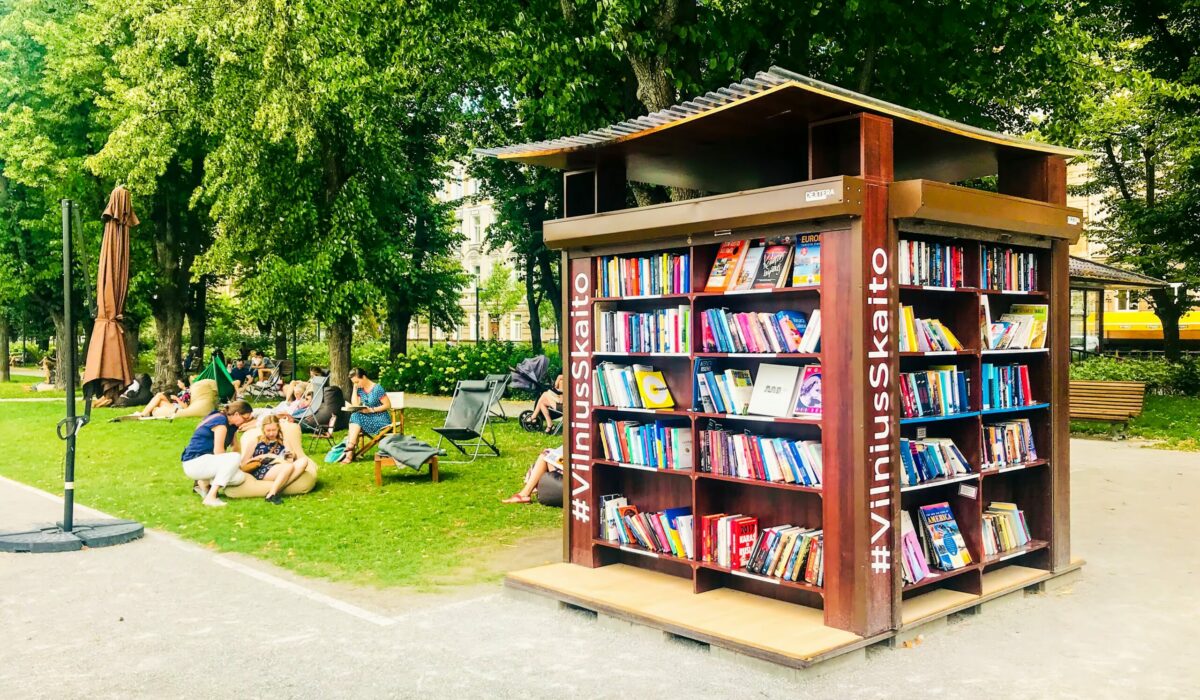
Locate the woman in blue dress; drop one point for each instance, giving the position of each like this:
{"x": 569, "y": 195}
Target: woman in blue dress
{"x": 375, "y": 414}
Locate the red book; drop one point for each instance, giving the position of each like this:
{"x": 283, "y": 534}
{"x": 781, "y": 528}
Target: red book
{"x": 725, "y": 267}
{"x": 744, "y": 532}
{"x": 1023, "y": 370}
{"x": 663, "y": 542}
{"x": 756, "y": 458}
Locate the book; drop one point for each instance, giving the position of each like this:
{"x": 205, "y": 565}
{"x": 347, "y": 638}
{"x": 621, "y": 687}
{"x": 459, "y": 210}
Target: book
{"x": 789, "y": 553}
{"x": 725, "y": 266}
{"x": 1006, "y": 386}
{"x": 1008, "y": 443}
{"x": 1004, "y": 528}
{"x": 741, "y": 388}
{"x": 1040, "y": 314}
{"x": 927, "y": 459}
{"x": 748, "y": 269}
{"x": 750, "y": 332}
{"x": 945, "y": 547}
{"x": 656, "y": 445}
{"x": 806, "y": 262}
{"x": 658, "y": 331}
{"x": 914, "y": 566}
{"x": 652, "y": 387}
{"x": 808, "y": 395}
{"x": 924, "y": 334}
{"x": 773, "y": 269}
{"x": 658, "y": 532}
{"x": 662, "y": 273}
{"x": 939, "y": 391}
{"x": 773, "y": 390}
{"x": 811, "y": 340}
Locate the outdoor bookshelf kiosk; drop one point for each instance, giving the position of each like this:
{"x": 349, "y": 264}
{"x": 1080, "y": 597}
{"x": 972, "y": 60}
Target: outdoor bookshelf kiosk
{"x": 790, "y": 155}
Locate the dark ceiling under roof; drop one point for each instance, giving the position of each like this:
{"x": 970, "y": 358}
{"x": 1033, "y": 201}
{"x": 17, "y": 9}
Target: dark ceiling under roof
{"x": 760, "y": 125}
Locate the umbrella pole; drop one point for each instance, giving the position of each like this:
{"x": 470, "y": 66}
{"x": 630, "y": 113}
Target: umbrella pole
{"x": 67, "y": 360}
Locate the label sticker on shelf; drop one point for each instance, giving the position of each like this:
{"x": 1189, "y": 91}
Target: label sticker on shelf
{"x": 1072, "y": 221}
{"x": 968, "y": 491}
{"x": 818, "y": 195}
{"x": 921, "y": 432}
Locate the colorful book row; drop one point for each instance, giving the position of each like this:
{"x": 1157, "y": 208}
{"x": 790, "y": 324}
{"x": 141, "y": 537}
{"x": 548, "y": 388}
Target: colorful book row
{"x": 722, "y": 330}
{"x": 1006, "y": 386}
{"x": 653, "y": 445}
{"x": 931, "y": 458}
{"x": 1002, "y": 268}
{"x": 761, "y": 458}
{"x": 667, "y": 273}
{"x": 667, "y": 532}
{"x": 639, "y": 386}
{"x": 938, "y": 391}
{"x": 778, "y": 391}
{"x": 661, "y": 330}
{"x": 931, "y": 264}
{"x": 1008, "y": 443}
{"x": 766, "y": 264}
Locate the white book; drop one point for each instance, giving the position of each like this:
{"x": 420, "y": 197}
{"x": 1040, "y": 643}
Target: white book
{"x": 774, "y": 388}
{"x": 749, "y": 269}
{"x": 812, "y": 332}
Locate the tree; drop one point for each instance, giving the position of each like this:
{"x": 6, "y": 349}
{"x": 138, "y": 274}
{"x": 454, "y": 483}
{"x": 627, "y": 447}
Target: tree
{"x": 1141, "y": 120}
{"x": 500, "y": 293}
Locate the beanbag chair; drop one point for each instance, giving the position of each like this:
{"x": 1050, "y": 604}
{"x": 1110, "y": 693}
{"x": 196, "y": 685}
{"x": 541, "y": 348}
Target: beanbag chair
{"x": 253, "y": 488}
{"x": 550, "y": 489}
{"x": 331, "y": 405}
{"x": 204, "y": 400}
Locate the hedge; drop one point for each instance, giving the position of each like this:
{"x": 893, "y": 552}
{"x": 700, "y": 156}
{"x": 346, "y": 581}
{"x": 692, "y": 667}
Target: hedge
{"x": 436, "y": 370}
{"x": 1161, "y": 377}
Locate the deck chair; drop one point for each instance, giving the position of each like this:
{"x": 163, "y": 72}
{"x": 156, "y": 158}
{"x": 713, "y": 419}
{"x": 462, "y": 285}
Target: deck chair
{"x": 308, "y": 420}
{"x": 324, "y": 434}
{"x": 267, "y": 388}
{"x": 467, "y": 421}
{"x": 366, "y": 442}
{"x": 498, "y": 388}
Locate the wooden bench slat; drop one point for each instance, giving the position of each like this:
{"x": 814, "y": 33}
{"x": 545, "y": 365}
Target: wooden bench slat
{"x": 1105, "y": 401}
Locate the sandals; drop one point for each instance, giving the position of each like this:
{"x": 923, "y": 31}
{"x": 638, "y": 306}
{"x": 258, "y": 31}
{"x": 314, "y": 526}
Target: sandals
{"x": 517, "y": 498}
{"x": 347, "y": 457}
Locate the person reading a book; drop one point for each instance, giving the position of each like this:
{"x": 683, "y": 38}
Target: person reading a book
{"x": 270, "y": 460}
{"x": 373, "y": 414}
{"x": 207, "y": 459}
{"x": 550, "y": 460}
{"x": 167, "y": 404}
{"x": 551, "y": 399}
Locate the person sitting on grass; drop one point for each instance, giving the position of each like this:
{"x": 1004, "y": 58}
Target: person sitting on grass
{"x": 374, "y": 416}
{"x": 239, "y": 375}
{"x": 207, "y": 459}
{"x": 550, "y": 399}
{"x": 550, "y": 460}
{"x": 270, "y": 460}
{"x": 166, "y": 405}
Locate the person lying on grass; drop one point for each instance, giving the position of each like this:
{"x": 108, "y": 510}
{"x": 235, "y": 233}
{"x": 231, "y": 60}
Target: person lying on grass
{"x": 550, "y": 460}
{"x": 375, "y": 414}
{"x": 270, "y": 460}
{"x": 166, "y": 405}
{"x": 207, "y": 458}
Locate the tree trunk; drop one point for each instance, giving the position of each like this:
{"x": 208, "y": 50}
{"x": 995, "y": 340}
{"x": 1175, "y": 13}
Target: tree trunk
{"x": 5, "y": 374}
{"x": 550, "y": 284}
{"x": 197, "y": 314}
{"x": 281, "y": 345}
{"x": 133, "y": 329}
{"x": 532, "y": 302}
{"x": 340, "y": 338}
{"x": 398, "y": 320}
{"x": 1169, "y": 309}
{"x": 168, "y": 350}
{"x": 62, "y": 339}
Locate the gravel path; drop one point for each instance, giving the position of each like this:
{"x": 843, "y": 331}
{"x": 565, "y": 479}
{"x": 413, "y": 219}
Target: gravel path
{"x": 164, "y": 618}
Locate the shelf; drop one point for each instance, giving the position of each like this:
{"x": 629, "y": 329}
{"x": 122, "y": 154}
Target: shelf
{"x": 1013, "y": 467}
{"x": 759, "y": 482}
{"x": 765, "y": 579}
{"x": 814, "y": 289}
{"x": 939, "y": 482}
{"x": 931, "y": 288}
{"x": 651, "y": 411}
{"x": 937, "y": 576}
{"x": 1031, "y": 546}
{"x": 617, "y": 353}
{"x": 639, "y": 467}
{"x": 763, "y": 356}
{"x": 641, "y": 552}
{"x": 936, "y": 353}
{"x": 816, "y": 420}
{"x": 1014, "y": 292}
{"x": 931, "y": 419}
{"x": 1015, "y": 351}
{"x": 648, "y": 297}
{"x": 1013, "y": 409}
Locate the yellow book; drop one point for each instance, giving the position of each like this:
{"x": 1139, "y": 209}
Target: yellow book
{"x": 653, "y": 388}
{"x": 954, "y": 344}
{"x": 910, "y": 327}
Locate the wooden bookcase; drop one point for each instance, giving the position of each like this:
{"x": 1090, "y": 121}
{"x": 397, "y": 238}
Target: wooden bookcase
{"x": 846, "y": 191}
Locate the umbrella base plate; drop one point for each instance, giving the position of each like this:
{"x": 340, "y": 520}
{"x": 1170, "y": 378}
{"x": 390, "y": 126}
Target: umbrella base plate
{"x": 88, "y": 533}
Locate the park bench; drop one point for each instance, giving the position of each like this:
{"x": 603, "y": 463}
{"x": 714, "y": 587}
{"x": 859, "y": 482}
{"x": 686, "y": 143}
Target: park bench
{"x": 1114, "y": 402}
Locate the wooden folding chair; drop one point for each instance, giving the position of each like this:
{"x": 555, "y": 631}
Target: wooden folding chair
{"x": 366, "y": 442}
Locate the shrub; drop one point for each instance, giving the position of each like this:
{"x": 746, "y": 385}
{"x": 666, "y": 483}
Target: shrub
{"x": 436, "y": 370}
{"x": 1160, "y": 376}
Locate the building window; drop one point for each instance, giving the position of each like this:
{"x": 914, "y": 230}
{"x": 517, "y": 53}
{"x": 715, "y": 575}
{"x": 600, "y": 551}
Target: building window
{"x": 476, "y": 229}
{"x": 1126, "y": 300}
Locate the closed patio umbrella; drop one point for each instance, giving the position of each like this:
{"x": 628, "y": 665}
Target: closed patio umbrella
{"x": 108, "y": 367}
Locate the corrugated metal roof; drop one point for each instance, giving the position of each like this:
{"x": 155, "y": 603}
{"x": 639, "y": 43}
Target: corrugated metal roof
{"x": 764, "y": 82}
{"x": 1083, "y": 269}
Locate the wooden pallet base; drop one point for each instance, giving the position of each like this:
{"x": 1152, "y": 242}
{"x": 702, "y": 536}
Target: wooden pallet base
{"x": 790, "y": 635}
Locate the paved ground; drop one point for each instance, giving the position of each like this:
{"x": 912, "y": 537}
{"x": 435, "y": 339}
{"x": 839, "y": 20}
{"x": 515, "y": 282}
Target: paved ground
{"x": 162, "y": 618}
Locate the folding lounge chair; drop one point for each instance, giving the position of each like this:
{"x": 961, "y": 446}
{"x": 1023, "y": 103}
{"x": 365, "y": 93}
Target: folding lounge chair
{"x": 366, "y": 442}
{"x": 324, "y": 434}
{"x": 267, "y": 388}
{"x": 308, "y": 420}
{"x": 498, "y": 389}
{"x": 467, "y": 421}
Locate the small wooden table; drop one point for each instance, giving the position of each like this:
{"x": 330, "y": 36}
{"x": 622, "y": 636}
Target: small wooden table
{"x": 382, "y": 461}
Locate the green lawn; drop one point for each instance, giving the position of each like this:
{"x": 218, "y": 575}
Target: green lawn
{"x": 1173, "y": 422}
{"x": 18, "y": 388}
{"x": 410, "y": 532}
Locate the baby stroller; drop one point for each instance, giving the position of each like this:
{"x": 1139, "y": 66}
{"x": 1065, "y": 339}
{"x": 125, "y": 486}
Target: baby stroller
{"x": 530, "y": 375}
